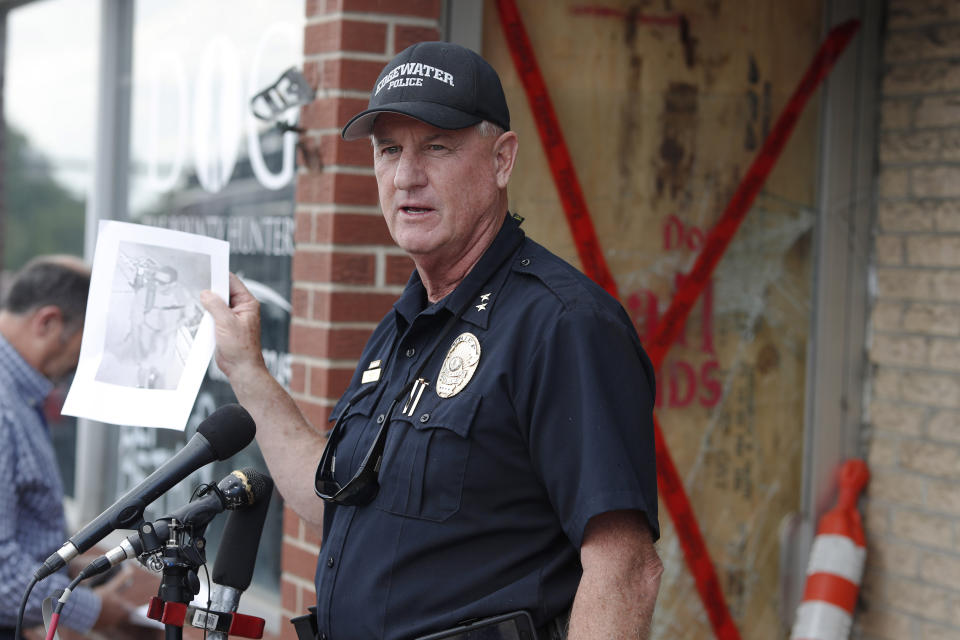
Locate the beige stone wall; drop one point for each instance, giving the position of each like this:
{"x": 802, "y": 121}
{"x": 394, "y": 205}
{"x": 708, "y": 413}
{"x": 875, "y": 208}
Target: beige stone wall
{"x": 912, "y": 583}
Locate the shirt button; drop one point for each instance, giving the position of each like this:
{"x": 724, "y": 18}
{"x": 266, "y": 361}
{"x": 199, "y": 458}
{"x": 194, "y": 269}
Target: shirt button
{"x": 424, "y": 417}
{"x": 525, "y": 262}
{"x": 381, "y": 418}
{"x": 330, "y": 561}
{"x": 411, "y": 352}
{"x": 322, "y": 636}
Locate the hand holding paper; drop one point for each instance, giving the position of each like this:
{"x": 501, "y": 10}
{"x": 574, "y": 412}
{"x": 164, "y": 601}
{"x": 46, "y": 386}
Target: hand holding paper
{"x": 146, "y": 340}
{"x": 237, "y": 327}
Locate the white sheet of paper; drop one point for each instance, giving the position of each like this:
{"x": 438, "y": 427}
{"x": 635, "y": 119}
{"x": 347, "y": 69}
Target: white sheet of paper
{"x": 147, "y": 340}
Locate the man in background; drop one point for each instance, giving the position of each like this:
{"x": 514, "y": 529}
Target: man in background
{"x": 41, "y": 324}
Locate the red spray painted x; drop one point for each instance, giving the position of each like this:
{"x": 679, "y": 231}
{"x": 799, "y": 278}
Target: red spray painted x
{"x": 671, "y": 487}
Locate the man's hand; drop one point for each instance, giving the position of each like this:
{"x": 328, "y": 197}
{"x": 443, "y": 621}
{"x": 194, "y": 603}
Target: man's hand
{"x": 120, "y": 596}
{"x": 237, "y": 328}
{"x": 115, "y": 608}
{"x": 621, "y": 577}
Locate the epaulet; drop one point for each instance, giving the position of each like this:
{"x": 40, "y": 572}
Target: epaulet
{"x": 570, "y": 286}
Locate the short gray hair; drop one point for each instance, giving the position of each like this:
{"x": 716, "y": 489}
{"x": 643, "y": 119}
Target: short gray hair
{"x": 61, "y": 281}
{"x": 487, "y": 129}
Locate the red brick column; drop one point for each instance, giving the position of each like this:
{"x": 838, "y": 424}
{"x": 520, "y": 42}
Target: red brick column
{"x": 346, "y": 269}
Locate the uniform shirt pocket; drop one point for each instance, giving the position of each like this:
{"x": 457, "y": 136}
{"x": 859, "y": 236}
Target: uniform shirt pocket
{"x": 426, "y": 457}
{"x": 357, "y": 430}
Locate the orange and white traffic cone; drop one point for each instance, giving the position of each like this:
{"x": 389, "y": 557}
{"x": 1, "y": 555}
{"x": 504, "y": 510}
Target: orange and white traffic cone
{"x": 836, "y": 564}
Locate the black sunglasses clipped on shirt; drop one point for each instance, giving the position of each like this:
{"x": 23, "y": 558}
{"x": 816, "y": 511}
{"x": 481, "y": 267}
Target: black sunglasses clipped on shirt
{"x": 364, "y": 485}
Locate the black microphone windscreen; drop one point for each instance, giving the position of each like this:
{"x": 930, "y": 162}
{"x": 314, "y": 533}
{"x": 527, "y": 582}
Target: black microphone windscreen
{"x": 260, "y": 484}
{"x": 228, "y": 430}
{"x": 237, "y": 553}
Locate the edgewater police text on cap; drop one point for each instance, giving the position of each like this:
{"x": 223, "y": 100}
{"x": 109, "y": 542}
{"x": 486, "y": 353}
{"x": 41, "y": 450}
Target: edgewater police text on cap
{"x": 413, "y": 69}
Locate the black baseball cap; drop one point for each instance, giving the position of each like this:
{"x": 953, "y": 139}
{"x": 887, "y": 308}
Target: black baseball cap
{"x": 440, "y": 83}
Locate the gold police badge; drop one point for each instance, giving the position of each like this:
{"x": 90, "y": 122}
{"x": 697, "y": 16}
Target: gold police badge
{"x": 459, "y": 365}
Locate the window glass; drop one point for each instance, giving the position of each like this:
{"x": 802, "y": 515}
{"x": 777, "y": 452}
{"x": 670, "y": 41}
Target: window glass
{"x": 201, "y": 162}
{"x": 49, "y": 97}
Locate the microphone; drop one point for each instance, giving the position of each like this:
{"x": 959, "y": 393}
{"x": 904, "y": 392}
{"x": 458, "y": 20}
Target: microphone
{"x": 237, "y": 491}
{"x": 241, "y": 491}
{"x": 236, "y": 556}
{"x": 224, "y": 433}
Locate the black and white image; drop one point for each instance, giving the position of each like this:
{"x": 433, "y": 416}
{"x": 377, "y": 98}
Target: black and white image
{"x": 147, "y": 340}
{"x": 153, "y": 315}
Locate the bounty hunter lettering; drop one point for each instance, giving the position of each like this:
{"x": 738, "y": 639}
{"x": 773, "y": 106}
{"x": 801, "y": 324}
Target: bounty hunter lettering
{"x": 411, "y": 74}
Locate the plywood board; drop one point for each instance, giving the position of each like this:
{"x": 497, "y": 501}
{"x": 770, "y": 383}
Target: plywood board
{"x": 661, "y": 122}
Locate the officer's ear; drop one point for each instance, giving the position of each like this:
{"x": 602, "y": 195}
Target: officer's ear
{"x": 505, "y": 154}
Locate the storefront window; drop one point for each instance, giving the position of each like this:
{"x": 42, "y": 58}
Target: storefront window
{"x": 201, "y": 162}
{"x": 49, "y": 98}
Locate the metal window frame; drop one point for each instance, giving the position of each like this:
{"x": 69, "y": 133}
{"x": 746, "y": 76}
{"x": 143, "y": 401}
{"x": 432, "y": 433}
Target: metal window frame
{"x": 837, "y": 362}
{"x": 834, "y": 405}
{"x": 462, "y": 23}
{"x": 96, "y": 443}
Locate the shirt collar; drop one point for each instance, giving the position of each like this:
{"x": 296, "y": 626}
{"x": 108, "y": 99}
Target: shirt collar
{"x": 32, "y": 385}
{"x": 504, "y": 245}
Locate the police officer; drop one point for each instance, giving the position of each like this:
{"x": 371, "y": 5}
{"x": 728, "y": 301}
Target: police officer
{"x": 494, "y": 452}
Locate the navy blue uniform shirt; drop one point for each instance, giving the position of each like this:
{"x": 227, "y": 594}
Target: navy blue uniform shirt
{"x": 485, "y": 493}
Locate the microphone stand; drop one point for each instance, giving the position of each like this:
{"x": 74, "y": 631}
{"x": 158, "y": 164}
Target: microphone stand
{"x": 179, "y": 559}
{"x": 182, "y": 556}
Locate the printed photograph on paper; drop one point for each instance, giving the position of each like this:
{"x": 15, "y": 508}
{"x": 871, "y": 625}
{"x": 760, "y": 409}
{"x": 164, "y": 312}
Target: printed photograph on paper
{"x": 147, "y": 340}
{"x": 153, "y": 315}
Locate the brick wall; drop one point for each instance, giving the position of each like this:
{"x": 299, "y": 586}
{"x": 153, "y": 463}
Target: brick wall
{"x": 346, "y": 269}
{"x": 912, "y": 583}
